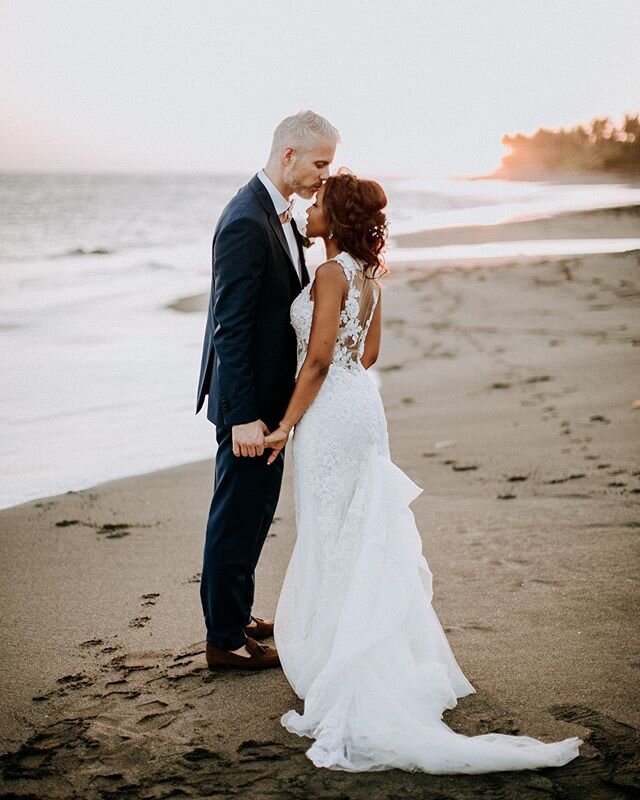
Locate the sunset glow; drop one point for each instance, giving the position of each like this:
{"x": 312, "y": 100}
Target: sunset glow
{"x": 414, "y": 87}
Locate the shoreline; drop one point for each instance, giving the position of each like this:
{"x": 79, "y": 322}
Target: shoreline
{"x": 610, "y": 223}
{"x": 508, "y": 397}
{"x": 183, "y": 333}
{"x": 545, "y": 176}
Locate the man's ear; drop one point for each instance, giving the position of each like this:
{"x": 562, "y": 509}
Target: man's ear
{"x": 288, "y": 154}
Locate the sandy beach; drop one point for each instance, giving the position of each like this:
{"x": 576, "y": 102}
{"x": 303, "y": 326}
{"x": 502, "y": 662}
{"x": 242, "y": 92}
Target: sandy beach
{"x": 508, "y": 390}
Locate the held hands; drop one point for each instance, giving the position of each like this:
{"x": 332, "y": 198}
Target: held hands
{"x": 248, "y": 439}
{"x": 276, "y": 441}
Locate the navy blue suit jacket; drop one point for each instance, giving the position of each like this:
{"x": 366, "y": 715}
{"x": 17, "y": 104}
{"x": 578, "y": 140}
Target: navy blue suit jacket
{"x": 249, "y": 351}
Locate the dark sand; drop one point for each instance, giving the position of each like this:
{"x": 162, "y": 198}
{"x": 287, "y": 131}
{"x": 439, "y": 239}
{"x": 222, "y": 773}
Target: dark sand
{"x": 508, "y": 392}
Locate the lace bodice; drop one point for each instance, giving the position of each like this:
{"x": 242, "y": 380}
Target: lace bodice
{"x": 355, "y": 317}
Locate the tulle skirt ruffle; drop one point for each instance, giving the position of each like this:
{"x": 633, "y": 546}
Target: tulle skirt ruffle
{"x": 361, "y": 644}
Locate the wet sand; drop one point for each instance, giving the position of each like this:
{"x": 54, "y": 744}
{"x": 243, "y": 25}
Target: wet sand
{"x": 508, "y": 392}
{"x": 608, "y": 223}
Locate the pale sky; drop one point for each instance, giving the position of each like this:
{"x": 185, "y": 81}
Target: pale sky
{"x": 415, "y": 88}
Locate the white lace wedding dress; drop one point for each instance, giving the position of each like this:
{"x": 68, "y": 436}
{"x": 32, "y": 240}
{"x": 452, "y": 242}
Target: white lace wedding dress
{"x": 357, "y": 636}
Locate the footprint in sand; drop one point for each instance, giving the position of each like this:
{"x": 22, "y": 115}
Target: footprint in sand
{"x": 157, "y": 720}
{"x": 153, "y": 705}
{"x": 194, "y": 650}
{"x": 150, "y": 599}
{"x": 107, "y": 782}
{"x": 66, "y": 683}
{"x": 252, "y": 750}
{"x": 130, "y": 663}
{"x": 538, "y": 379}
{"x": 122, "y": 694}
{"x": 615, "y": 742}
{"x": 75, "y": 681}
{"x": 573, "y": 477}
{"x": 91, "y": 643}
{"x": 200, "y": 754}
{"x": 32, "y": 761}
{"x": 112, "y": 530}
{"x": 139, "y": 622}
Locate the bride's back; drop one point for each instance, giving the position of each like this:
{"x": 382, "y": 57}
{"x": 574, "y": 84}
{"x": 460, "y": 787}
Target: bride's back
{"x": 357, "y": 312}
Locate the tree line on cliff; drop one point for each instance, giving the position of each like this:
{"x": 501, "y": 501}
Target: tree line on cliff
{"x": 599, "y": 147}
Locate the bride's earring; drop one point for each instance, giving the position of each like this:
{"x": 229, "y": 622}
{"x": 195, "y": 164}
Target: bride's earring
{"x": 331, "y": 234}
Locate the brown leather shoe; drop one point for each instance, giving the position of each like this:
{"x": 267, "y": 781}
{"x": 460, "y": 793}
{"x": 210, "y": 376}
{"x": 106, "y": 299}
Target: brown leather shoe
{"x": 263, "y": 630}
{"x": 262, "y": 657}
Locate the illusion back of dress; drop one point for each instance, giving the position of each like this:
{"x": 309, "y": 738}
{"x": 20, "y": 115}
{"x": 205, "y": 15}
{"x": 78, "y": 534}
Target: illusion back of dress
{"x": 355, "y": 316}
{"x": 357, "y": 313}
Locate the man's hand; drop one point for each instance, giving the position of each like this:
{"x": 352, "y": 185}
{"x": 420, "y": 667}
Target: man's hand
{"x": 248, "y": 439}
{"x": 276, "y": 441}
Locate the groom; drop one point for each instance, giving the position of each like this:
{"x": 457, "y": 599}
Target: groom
{"x": 248, "y": 371}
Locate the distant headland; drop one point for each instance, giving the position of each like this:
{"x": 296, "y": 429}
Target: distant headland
{"x": 596, "y": 150}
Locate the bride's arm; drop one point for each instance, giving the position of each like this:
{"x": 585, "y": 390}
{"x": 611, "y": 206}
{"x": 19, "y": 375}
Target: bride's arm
{"x": 330, "y": 288}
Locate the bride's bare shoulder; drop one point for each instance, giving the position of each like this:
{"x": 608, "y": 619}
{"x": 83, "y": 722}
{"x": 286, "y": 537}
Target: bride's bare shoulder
{"x": 330, "y": 273}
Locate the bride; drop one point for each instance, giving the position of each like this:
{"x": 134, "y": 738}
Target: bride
{"x": 355, "y": 630}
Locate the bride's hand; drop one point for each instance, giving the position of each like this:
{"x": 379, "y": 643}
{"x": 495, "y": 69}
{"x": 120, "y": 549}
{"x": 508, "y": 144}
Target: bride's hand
{"x": 275, "y": 441}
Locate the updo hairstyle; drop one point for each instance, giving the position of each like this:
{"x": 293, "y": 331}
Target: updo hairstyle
{"x": 353, "y": 213}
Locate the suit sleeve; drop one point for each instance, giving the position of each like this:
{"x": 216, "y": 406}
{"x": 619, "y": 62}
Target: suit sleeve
{"x": 239, "y": 258}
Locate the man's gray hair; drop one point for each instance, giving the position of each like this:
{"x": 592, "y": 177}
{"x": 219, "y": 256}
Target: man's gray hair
{"x": 301, "y": 131}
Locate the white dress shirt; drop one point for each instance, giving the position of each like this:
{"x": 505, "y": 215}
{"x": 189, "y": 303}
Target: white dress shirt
{"x": 281, "y": 204}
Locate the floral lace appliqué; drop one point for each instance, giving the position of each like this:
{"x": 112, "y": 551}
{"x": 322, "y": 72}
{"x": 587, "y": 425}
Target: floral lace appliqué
{"x": 353, "y": 328}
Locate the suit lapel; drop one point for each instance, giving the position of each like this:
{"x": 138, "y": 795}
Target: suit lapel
{"x": 274, "y": 221}
{"x": 276, "y": 225}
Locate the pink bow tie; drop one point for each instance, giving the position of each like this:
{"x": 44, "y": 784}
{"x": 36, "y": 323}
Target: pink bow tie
{"x": 286, "y": 214}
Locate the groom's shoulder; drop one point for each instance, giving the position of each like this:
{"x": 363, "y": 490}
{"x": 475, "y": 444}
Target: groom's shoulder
{"x": 245, "y": 204}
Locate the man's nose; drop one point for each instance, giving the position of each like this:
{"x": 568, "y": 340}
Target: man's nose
{"x": 324, "y": 174}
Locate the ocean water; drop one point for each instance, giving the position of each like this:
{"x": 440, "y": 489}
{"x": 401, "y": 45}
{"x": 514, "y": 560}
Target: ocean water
{"x": 98, "y": 372}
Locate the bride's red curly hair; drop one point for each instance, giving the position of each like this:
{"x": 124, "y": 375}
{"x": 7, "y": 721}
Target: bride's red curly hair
{"x": 353, "y": 210}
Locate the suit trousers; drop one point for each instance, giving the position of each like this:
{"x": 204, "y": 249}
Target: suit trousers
{"x": 245, "y": 497}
